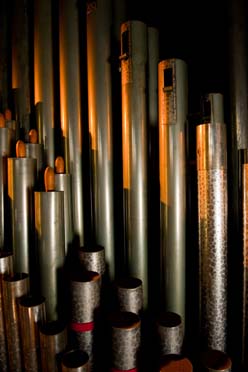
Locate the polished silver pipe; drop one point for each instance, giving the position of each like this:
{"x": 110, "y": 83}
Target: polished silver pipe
{"x": 134, "y": 144}
{"x": 7, "y": 139}
{"x": 14, "y": 287}
{"x": 22, "y": 175}
{"x": 100, "y": 126}
{"x": 50, "y": 240}
{"x": 70, "y": 107}
{"x": 173, "y": 110}
{"x": 43, "y": 74}
{"x": 213, "y": 108}
{"x": 53, "y": 344}
{"x": 129, "y": 293}
{"x": 20, "y": 64}
{"x": 125, "y": 341}
{"x": 6, "y": 268}
{"x": 75, "y": 361}
{"x": 170, "y": 332}
{"x": 152, "y": 61}
{"x": 85, "y": 292}
{"x": 32, "y": 314}
{"x": 216, "y": 360}
{"x": 212, "y": 227}
{"x": 36, "y": 151}
{"x": 63, "y": 183}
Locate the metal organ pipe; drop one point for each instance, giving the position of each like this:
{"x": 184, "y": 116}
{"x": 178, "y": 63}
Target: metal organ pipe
{"x": 134, "y": 146}
{"x": 100, "y": 125}
{"x": 43, "y": 74}
{"x": 212, "y": 227}
{"x": 70, "y": 107}
{"x": 173, "y": 110}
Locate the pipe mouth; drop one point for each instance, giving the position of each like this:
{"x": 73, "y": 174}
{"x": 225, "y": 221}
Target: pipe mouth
{"x": 216, "y": 360}
{"x": 91, "y": 249}
{"x": 31, "y": 301}
{"x": 84, "y": 276}
{"x": 169, "y": 319}
{"x": 75, "y": 358}
{"x": 52, "y": 328}
{"x": 129, "y": 283}
{"x": 175, "y": 363}
{"x": 15, "y": 277}
{"x": 124, "y": 320}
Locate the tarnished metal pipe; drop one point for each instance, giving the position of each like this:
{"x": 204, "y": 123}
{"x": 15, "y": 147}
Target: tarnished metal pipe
{"x": 134, "y": 144}
{"x": 43, "y": 74}
{"x": 35, "y": 150}
{"x": 50, "y": 239}
{"x": 129, "y": 292}
{"x": 153, "y": 60}
{"x": 244, "y": 335}
{"x": 170, "y": 334}
{"x": 212, "y": 227}
{"x": 216, "y": 360}
{"x": 20, "y": 65}
{"x": 14, "y": 287}
{"x": 70, "y": 107}
{"x": 53, "y": 344}
{"x": 85, "y": 290}
{"x": 6, "y": 268}
{"x": 173, "y": 110}
{"x": 22, "y": 175}
{"x": 100, "y": 126}
{"x": 32, "y": 314}
{"x": 125, "y": 341}
{"x": 5, "y": 22}
{"x": 75, "y": 361}
{"x": 93, "y": 258}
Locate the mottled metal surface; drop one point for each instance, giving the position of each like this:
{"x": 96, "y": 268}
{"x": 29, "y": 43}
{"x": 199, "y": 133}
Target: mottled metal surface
{"x": 173, "y": 110}
{"x": 99, "y": 23}
{"x": 85, "y": 290}
{"x": 212, "y": 209}
{"x": 63, "y": 183}
{"x": 93, "y": 259}
{"x": 14, "y": 287}
{"x": 6, "y": 267}
{"x": 244, "y": 335}
{"x": 70, "y": 107}
{"x": 22, "y": 175}
{"x": 50, "y": 237}
{"x": 32, "y": 314}
{"x": 125, "y": 341}
{"x": 170, "y": 334}
{"x": 53, "y": 343}
{"x": 75, "y": 361}
{"x": 134, "y": 147}
{"x": 130, "y": 295}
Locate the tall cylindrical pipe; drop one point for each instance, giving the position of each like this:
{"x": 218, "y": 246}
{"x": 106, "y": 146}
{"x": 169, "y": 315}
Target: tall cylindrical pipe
{"x": 6, "y": 268}
{"x": 22, "y": 175}
{"x": 244, "y": 335}
{"x": 20, "y": 64}
{"x": 7, "y": 137}
{"x": 100, "y": 126}
{"x": 173, "y": 110}
{"x": 50, "y": 240}
{"x": 70, "y": 108}
{"x": 134, "y": 143}
{"x": 43, "y": 74}
{"x": 5, "y": 53}
{"x": 14, "y": 287}
{"x": 53, "y": 344}
{"x": 212, "y": 228}
{"x": 32, "y": 315}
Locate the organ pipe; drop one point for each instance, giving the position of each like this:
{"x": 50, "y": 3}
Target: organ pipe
{"x": 100, "y": 125}
{"x": 173, "y": 110}
{"x": 70, "y": 107}
{"x": 212, "y": 226}
{"x": 43, "y": 74}
{"x": 134, "y": 146}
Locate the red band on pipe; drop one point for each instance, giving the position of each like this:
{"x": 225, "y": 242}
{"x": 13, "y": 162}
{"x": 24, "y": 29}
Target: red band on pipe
{"x": 124, "y": 370}
{"x": 82, "y": 327}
